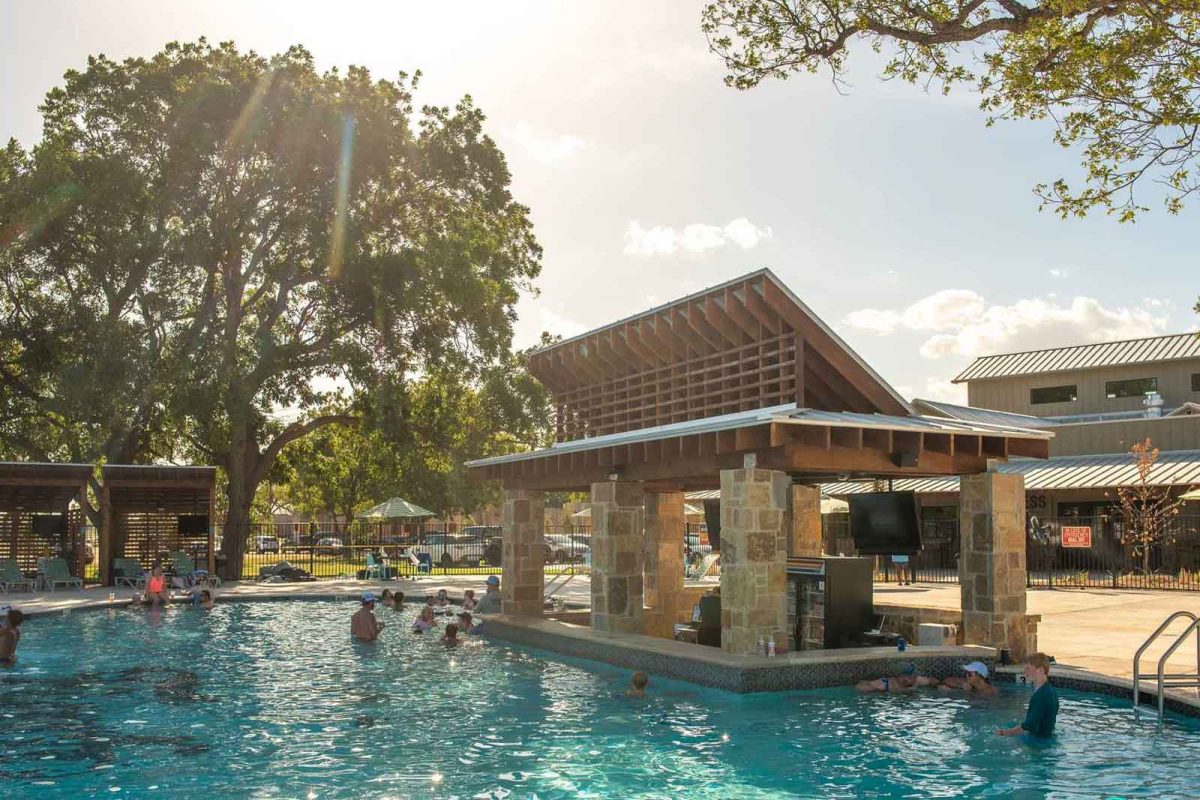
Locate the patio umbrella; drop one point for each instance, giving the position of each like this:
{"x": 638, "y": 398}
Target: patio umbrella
{"x": 396, "y": 508}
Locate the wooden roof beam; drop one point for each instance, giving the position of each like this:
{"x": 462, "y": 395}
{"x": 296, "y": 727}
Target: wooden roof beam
{"x": 721, "y": 321}
{"x": 757, "y": 306}
{"x": 736, "y": 310}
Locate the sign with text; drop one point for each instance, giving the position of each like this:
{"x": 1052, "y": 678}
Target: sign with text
{"x": 1077, "y": 536}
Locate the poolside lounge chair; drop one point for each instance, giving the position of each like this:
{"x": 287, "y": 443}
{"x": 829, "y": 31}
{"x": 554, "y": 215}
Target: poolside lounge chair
{"x": 11, "y": 578}
{"x": 421, "y": 562}
{"x": 377, "y": 570}
{"x": 53, "y": 572}
{"x": 185, "y": 570}
{"x": 129, "y": 572}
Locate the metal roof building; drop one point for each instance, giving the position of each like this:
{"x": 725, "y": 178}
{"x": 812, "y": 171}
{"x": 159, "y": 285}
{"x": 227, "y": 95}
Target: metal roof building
{"x": 986, "y": 416}
{"x": 1174, "y": 468}
{"x": 1175, "y": 347}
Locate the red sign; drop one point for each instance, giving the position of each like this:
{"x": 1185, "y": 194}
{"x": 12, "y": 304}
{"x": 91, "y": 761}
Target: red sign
{"x": 1077, "y": 536}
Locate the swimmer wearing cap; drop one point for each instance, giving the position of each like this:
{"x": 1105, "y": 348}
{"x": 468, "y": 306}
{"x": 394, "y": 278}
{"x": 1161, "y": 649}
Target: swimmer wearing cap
{"x": 974, "y": 681}
{"x": 363, "y": 625}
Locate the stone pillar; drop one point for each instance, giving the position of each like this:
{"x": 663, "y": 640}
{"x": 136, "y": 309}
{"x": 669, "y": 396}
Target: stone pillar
{"x": 804, "y": 521}
{"x": 754, "y": 543}
{"x": 523, "y": 581}
{"x": 991, "y": 567}
{"x": 663, "y": 562}
{"x": 618, "y": 524}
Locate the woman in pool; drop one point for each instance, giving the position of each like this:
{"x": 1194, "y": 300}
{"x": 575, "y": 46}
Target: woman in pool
{"x": 974, "y": 681}
{"x": 157, "y": 590}
{"x": 906, "y": 681}
{"x": 469, "y": 602}
{"x": 425, "y": 622}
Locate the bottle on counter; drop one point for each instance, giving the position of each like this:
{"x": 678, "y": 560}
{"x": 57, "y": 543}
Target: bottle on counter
{"x": 762, "y": 646}
{"x": 771, "y": 646}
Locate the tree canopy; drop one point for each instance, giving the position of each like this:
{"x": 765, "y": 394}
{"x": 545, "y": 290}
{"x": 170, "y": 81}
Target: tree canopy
{"x": 206, "y": 239}
{"x": 1120, "y": 79}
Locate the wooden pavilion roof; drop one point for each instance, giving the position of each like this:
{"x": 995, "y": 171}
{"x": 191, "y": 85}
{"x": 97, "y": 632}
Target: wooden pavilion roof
{"x": 159, "y": 488}
{"x": 746, "y": 344}
{"x": 32, "y": 486}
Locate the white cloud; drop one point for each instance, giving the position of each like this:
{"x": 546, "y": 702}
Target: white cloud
{"x": 1058, "y": 273}
{"x": 544, "y": 147}
{"x": 557, "y": 325}
{"x": 697, "y": 237}
{"x": 945, "y": 391}
{"x": 963, "y": 324}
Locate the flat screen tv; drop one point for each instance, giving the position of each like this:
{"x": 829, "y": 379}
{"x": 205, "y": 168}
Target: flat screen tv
{"x": 885, "y": 523}
{"x": 49, "y": 525}
{"x": 193, "y": 524}
{"x": 712, "y": 521}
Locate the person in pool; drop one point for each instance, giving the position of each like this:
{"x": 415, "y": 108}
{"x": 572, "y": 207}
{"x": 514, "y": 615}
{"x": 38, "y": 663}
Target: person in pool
{"x": 387, "y": 599}
{"x": 425, "y": 621}
{"x": 638, "y": 684}
{"x": 469, "y": 602}
{"x": 450, "y": 637}
{"x": 442, "y": 600}
{"x": 974, "y": 681}
{"x": 10, "y": 637}
{"x": 206, "y": 599}
{"x": 157, "y": 590}
{"x": 363, "y": 625}
{"x": 466, "y": 623}
{"x": 398, "y": 601}
{"x": 1043, "y": 704}
{"x": 906, "y": 681}
{"x": 490, "y": 602}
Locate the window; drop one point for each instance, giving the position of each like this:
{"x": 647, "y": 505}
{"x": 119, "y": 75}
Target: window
{"x": 1052, "y": 394}
{"x": 1134, "y": 387}
{"x": 1196, "y": 381}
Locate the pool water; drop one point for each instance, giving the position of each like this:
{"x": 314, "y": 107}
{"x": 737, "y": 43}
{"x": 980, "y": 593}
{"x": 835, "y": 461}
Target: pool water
{"x": 274, "y": 700}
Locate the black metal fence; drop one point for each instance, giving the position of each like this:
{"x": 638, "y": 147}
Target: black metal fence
{"x": 386, "y": 550}
{"x": 1095, "y": 552}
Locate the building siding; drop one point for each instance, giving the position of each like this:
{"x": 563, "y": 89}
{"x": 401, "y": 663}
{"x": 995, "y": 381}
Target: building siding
{"x": 1012, "y": 394}
{"x": 1172, "y": 433}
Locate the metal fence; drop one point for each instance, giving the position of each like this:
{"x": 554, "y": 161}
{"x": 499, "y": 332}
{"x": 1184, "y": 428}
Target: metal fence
{"x": 1094, "y": 552}
{"x": 383, "y": 550}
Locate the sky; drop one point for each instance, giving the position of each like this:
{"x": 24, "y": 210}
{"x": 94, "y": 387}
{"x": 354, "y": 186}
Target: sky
{"x": 895, "y": 214}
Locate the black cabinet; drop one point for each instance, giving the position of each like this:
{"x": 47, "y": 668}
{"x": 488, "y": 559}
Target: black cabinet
{"x": 829, "y": 601}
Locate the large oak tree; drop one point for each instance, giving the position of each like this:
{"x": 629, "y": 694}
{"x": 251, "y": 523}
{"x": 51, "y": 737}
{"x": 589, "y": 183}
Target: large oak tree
{"x": 207, "y": 242}
{"x": 1119, "y": 78}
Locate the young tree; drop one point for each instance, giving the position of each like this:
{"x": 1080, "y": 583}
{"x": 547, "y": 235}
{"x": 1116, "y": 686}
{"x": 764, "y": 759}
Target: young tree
{"x": 270, "y": 226}
{"x": 1147, "y": 508}
{"x": 1121, "y": 78}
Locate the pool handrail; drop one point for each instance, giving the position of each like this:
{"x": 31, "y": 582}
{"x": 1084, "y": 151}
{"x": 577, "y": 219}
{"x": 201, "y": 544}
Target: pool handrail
{"x": 1137, "y": 657}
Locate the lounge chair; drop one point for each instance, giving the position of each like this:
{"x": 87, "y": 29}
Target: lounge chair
{"x": 53, "y": 572}
{"x": 185, "y": 570}
{"x": 377, "y": 570}
{"x": 11, "y": 578}
{"x": 129, "y": 572}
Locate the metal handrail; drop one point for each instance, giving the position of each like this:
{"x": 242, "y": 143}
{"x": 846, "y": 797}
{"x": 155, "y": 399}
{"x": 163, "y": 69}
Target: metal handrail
{"x": 1189, "y": 678}
{"x": 1137, "y": 658}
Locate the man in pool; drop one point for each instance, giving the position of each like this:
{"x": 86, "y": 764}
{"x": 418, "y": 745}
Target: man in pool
{"x": 637, "y": 685}
{"x": 363, "y": 625}
{"x": 906, "y": 681}
{"x": 974, "y": 681}
{"x": 466, "y": 623}
{"x": 1043, "y": 705}
{"x": 10, "y": 637}
{"x": 490, "y": 602}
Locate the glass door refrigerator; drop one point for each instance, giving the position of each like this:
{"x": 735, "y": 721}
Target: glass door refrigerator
{"x": 829, "y": 601}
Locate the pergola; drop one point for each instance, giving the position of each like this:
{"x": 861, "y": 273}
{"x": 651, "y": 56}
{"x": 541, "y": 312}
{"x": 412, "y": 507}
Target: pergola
{"x": 52, "y": 494}
{"x": 148, "y": 511}
{"x": 744, "y": 388}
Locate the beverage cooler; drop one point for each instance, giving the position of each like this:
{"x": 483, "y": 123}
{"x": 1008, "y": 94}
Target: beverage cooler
{"x": 829, "y": 601}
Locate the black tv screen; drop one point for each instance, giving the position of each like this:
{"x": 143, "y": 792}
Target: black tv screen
{"x": 885, "y": 523}
{"x": 193, "y": 524}
{"x": 49, "y": 525}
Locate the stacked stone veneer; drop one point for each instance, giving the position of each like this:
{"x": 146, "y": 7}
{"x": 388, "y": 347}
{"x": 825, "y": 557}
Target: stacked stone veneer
{"x": 804, "y": 521}
{"x": 663, "y": 565}
{"x": 754, "y": 544}
{"x": 618, "y": 531}
{"x": 992, "y": 561}
{"x": 522, "y": 556}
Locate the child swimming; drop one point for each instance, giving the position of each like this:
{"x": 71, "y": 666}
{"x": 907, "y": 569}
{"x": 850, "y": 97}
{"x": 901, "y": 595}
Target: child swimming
{"x": 425, "y": 621}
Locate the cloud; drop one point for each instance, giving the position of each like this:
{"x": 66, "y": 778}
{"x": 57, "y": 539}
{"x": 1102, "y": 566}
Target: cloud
{"x": 945, "y": 391}
{"x": 963, "y": 324}
{"x": 543, "y": 147}
{"x": 1059, "y": 273}
{"x": 694, "y": 238}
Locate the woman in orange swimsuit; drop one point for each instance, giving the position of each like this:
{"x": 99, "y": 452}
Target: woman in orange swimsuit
{"x": 156, "y": 587}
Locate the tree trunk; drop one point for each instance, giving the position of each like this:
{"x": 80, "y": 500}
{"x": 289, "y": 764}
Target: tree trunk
{"x": 243, "y": 480}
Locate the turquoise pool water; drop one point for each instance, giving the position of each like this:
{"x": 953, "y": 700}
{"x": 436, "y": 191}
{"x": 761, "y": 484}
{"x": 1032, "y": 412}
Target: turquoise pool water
{"x": 274, "y": 700}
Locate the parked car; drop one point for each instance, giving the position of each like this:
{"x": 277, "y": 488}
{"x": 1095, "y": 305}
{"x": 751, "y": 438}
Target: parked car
{"x": 562, "y": 549}
{"x": 330, "y": 541}
{"x": 448, "y": 549}
{"x": 266, "y": 544}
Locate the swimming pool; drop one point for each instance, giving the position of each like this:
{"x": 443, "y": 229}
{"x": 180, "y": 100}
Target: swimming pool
{"x": 275, "y": 700}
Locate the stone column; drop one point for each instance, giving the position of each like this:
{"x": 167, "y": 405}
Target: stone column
{"x": 754, "y": 543}
{"x": 618, "y": 524}
{"x": 804, "y": 521}
{"x": 523, "y": 580}
{"x": 663, "y": 562}
{"x": 991, "y": 567}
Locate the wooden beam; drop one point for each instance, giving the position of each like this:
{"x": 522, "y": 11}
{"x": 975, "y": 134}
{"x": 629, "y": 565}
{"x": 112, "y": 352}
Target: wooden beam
{"x": 846, "y": 437}
{"x": 798, "y": 366}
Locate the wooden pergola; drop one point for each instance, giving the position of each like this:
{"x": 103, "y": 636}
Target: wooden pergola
{"x": 147, "y": 511}
{"x": 31, "y": 490}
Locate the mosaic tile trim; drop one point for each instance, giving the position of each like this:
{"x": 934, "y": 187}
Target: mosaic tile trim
{"x": 1149, "y": 700}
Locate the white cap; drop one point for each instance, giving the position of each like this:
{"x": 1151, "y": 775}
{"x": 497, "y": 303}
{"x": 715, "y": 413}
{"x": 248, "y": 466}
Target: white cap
{"x": 976, "y": 666}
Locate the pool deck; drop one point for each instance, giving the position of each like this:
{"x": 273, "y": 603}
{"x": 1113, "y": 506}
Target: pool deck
{"x": 1089, "y": 631}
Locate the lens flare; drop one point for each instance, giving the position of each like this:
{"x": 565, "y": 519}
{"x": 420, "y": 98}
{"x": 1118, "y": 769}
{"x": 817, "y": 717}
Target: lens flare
{"x": 249, "y": 116}
{"x": 342, "y": 199}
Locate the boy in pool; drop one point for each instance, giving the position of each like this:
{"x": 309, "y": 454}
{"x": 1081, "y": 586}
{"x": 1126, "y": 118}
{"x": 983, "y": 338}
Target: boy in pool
{"x": 637, "y": 685}
{"x": 10, "y": 637}
{"x": 442, "y": 600}
{"x": 450, "y": 637}
{"x": 1043, "y": 705}
{"x": 465, "y": 623}
{"x": 206, "y": 599}
{"x": 398, "y": 601}
{"x": 974, "y": 681}
{"x": 387, "y": 599}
